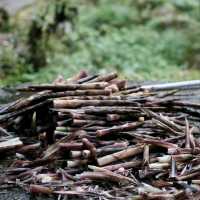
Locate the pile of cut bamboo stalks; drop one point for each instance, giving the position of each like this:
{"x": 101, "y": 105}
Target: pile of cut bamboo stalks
{"x": 97, "y": 137}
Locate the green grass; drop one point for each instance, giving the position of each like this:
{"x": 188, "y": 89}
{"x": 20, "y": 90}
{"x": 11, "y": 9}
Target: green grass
{"x": 139, "y": 43}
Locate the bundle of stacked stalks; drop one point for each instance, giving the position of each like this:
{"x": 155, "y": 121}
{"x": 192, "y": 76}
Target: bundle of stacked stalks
{"x": 95, "y": 137}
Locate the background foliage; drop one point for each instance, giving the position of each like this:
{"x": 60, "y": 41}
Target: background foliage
{"x": 142, "y": 39}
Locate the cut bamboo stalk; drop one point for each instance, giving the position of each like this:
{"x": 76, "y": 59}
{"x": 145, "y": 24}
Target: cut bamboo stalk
{"x": 40, "y": 189}
{"x": 99, "y": 175}
{"x": 71, "y": 146}
{"x": 188, "y": 176}
{"x": 173, "y": 168}
{"x": 29, "y": 148}
{"x": 137, "y": 111}
{"x": 75, "y": 163}
{"x": 132, "y": 151}
{"x": 112, "y": 175}
{"x": 172, "y": 86}
{"x": 113, "y": 88}
{"x": 63, "y": 87}
{"x": 10, "y": 144}
{"x": 146, "y": 155}
{"x": 117, "y": 129}
{"x": 125, "y": 165}
{"x": 106, "y": 78}
{"x": 121, "y": 84}
{"x": 86, "y": 94}
{"x": 82, "y": 122}
{"x": 158, "y": 165}
{"x": 79, "y": 103}
{"x": 90, "y": 147}
{"x": 160, "y": 143}
{"x": 76, "y": 78}
{"x": 87, "y": 79}
{"x": 75, "y": 154}
{"x": 187, "y": 134}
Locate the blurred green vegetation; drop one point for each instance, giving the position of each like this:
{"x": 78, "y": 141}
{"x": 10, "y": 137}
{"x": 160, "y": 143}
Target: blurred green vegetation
{"x": 141, "y": 39}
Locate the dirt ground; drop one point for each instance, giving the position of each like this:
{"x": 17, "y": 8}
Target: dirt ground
{"x": 18, "y": 194}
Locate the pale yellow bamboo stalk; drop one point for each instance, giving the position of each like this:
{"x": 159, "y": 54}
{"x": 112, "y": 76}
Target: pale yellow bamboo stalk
{"x": 120, "y": 155}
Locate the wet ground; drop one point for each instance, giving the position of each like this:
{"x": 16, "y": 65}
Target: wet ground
{"x": 18, "y": 194}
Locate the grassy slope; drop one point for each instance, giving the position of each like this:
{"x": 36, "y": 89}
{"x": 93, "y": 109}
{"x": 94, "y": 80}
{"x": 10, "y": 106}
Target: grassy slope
{"x": 115, "y": 35}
